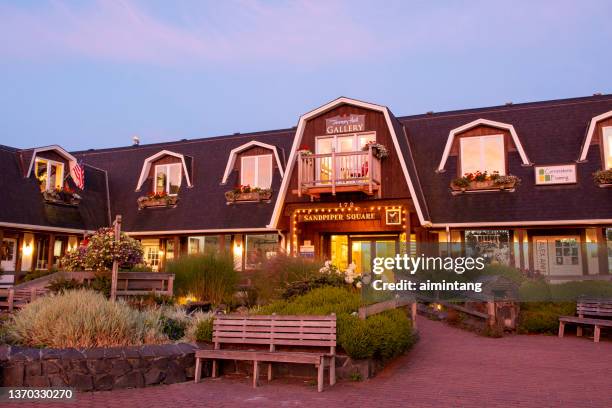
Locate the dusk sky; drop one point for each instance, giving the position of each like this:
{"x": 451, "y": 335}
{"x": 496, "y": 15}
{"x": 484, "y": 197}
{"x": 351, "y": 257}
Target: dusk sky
{"x": 93, "y": 74}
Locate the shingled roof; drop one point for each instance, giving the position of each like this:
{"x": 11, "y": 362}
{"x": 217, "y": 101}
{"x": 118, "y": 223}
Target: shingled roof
{"x": 23, "y": 203}
{"x": 202, "y": 207}
{"x": 551, "y": 132}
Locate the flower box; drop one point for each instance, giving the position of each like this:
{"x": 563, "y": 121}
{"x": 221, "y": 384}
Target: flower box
{"x": 603, "y": 178}
{"x": 157, "y": 202}
{"x": 233, "y": 196}
{"x": 483, "y": 182}
{"x": 61, "y": 197}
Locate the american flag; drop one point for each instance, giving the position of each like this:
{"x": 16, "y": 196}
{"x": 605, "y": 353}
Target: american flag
{"x": 77, "y": 172}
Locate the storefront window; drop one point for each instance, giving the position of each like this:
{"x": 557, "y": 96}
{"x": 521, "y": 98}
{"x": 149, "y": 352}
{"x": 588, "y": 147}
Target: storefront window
{"x": 566, "y": 251}
{"x": 42, "y": 253}
{"x": 493, "y": 245}
{"x": 151, "y": 254}
{"x": 259, "y": 247}
{"x": 339, "y": 251}
{"x": 607, "y": 136}
{"x": 169, "y": 249}
{"x": 199, "y": 244}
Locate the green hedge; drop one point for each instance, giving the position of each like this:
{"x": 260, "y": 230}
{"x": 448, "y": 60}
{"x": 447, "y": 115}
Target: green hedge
{"x": 382, "y": 336}
{"x": 543, "y": 317}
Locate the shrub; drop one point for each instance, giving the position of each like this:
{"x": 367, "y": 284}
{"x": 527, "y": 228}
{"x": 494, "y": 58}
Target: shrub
{"x": 298, "y": 288}
{"x": 541, "y": 291}
{"x": 382, "y": 336}
{"x": 543, "y": 317}
{"x": 276, "y": 273}
{"x": 31, "y": 275}
{"x": 100, "y": 283}
{"x": 82, "y": 318}
{"x": 203, "y": 330}
{"x": 209, "y": 276}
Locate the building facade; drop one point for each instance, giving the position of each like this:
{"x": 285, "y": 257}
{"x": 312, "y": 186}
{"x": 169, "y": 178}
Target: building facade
{"x": 526, "y": 185}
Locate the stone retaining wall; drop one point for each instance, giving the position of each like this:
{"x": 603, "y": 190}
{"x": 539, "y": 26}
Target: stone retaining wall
{"x": 97, "y": 368}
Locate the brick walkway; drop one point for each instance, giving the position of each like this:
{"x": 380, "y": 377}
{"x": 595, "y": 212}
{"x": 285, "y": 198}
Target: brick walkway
{"x": 448, "y": 367}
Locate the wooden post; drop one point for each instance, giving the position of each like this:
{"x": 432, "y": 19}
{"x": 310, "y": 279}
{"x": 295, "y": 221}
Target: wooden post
{"x": 602, "y": 252}
{"x": 521, "y": 250}
{"x": 491, "y": 313}
{"x": 170, "y": 285}
{"x": 300, "y": 171}
{"x": 115, "y": 272}
{"x": 50, "y": 251}
{"x": 11, "y": 299}
{"x": 177, "y": 247}
{"x": 371, "y": 164}
{"x": 333, "y": 170}
{"x": 413, "y": 314}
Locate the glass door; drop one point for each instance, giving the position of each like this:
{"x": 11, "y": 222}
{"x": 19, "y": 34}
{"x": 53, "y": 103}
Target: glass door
{"x": 8, "y": 254}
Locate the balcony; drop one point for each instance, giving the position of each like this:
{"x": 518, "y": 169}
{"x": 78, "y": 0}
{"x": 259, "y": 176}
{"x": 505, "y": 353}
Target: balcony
{"x": 342, "y": 172}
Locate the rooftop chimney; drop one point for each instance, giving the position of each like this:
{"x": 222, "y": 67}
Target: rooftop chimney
{"x": 135, "y": 141}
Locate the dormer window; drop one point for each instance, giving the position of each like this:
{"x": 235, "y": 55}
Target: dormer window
{"x": 50, "y": 174}
{"x": 607, "y": 147}
{"x": 168, "y": 178}
{"x": 482, "y": 153}
{"x": 256, "y": 171}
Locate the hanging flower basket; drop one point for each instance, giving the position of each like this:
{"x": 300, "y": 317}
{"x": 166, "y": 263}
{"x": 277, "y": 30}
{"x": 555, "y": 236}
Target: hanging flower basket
{"x": 483, "y": 181}
{"x": 157, "y": 200}
{"x": 379, "y": 150}
{"x": 603, "y": 178}
{"x": 62, "y": 196}
{"x": 247, "y": 193}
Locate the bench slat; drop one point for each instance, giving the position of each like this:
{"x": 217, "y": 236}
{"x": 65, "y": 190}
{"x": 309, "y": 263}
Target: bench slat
{"x": 277, "y": 342}
{"x": 293, "y": 357}
{"x": 234, "y": 322}
{"x": 264, "y": 329}
{"x": 291, "y": 336}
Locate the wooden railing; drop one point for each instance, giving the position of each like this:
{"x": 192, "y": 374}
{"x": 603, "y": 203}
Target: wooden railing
{"x": 376, "y": 308}
{"x": 128, "y": 284}
{"x": 345, "y": 171}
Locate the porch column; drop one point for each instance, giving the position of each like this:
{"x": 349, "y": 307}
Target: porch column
{"x": 221, "y": 243}
{"x": 530, "y": 252}
{"x": 50, "y": 251}
{"x": 520, "y": 234}
{"x": 177, "y": 247}
{"x": 583, "y": 252}
{"x": 602, "y": 252}
{"x": 407, "y": 227}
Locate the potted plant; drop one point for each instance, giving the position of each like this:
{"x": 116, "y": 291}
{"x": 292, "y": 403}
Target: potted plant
{"x": 603, "y": 178}
{"x": 304, "y": 150}
{"x": 379, "y": 150}
{"x": 157, "y": 199}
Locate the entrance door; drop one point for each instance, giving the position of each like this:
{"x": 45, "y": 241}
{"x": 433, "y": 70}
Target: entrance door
{"x": 365, "y": 249}
{"x": 8, "y": 254}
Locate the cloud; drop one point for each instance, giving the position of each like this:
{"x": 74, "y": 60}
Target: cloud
{"x": 299, "y": 32}
{"x": 303, "y": 33}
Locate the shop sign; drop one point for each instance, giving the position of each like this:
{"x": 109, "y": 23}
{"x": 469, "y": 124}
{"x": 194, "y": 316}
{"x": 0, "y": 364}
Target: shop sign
{"x": 307, "y": 250}
{"x": 348, "y": 216}
{"x": 558, "y": 174}
{"x": 345, "y": 124}
{"x": 541, "y": 253}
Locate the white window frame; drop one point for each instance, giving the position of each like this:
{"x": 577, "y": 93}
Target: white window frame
{"x": 480, "y": 138}
{"x": 256, "y": 157}
{"x": 167, "y": 167}
{"x": 59, "y": 165}
{"x": 335, "y": 139}
{"x": 607, "y": 147}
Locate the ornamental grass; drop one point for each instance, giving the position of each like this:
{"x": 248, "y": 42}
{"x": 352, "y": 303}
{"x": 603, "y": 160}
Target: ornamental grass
{"x": 83, "y": 319}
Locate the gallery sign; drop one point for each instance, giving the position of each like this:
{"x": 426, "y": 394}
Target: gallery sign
{"x": 557, "y": 174}
{"x": 345, "y": 124}
{"x": 356, "y": 216}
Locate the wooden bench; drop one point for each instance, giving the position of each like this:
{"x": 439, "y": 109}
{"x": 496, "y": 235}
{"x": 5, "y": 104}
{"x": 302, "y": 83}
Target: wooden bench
{"x": 600, "y": 309}
{"x": 311, "y": 332}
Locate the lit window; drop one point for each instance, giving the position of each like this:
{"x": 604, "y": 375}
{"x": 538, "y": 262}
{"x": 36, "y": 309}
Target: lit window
{"x": 256, "y": 171}
{"x": 168, "y": 178}
{"x": 483, "y": 153}
{"x": 607, "y": 144}
{"x": 50, "y": 174}
{"x": 260, "y": 247}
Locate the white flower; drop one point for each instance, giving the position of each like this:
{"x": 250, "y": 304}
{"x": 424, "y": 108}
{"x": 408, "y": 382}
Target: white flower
{"x": 358, "y": 285}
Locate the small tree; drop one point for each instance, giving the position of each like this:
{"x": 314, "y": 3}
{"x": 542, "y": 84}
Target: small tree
{"x": 98, "y": 251}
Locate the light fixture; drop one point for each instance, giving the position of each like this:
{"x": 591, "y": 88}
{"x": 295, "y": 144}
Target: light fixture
{"x": 27, "y": 249}
{"x": 237, "y": 249}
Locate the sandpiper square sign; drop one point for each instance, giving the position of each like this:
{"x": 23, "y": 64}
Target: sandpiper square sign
{"x": 345, "y": 124}
{"x": 558, "y": 174}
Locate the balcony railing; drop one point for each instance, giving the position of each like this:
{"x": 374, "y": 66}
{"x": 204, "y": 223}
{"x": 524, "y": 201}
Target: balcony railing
{"x": 338, "y": 172}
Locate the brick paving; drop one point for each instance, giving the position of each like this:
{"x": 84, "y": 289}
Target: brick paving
{"x": 448, "y": 367}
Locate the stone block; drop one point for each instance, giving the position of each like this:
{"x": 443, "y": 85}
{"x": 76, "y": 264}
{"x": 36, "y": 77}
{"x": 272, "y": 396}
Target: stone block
{"x": 175, "y": 373}
{"x": 13, "y": 375}
{"x": 119, "y": 368}
{"x": 33, "y": 369}
{"x": 81, "y": 382}
{"x": 104, "y": 382}
{"x": 153, "y": 376}
{"x": 133, "y": 379}
{"x": 39, "y": 381}
{"x": 50, "y": 367}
